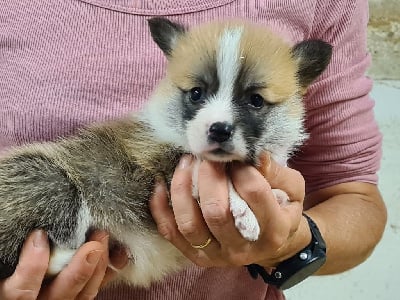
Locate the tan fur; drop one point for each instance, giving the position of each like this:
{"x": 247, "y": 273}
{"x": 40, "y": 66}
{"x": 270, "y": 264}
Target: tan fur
{"x": 201, "y": 43}
{"x": 269, "y": 57}
{"x": 272, "y": 61}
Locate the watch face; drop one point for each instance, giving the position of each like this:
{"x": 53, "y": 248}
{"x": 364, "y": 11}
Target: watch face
{"x": 306, "y": 271}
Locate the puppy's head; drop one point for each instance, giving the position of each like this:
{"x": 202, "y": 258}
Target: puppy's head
{"x": 233, "y": 89}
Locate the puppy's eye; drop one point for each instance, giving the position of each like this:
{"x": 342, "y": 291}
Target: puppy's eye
{"x": 256, "y": 100}
{"x": 196, "y": 94}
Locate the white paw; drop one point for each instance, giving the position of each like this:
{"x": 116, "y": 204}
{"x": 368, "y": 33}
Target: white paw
{"x": 281, "y": 197}
{"x": 59, "y": 258}
{"x": 245, "y": 220}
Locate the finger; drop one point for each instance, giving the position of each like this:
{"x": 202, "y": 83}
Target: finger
{"x": 275, "y": 224}
{"x": 255, "y": 190}
{"x": 162, "y": 213}
{"x": 214, "y": 201}
{"x": 109, "y": 276}
{"x": 288, "y": 180}
{"x": 27, "y": 279}
{"x": 283, "y": 178}
{"x": 118, "y": 258}
{"x": 92, "y": 287}
{"x": 94, "y": 284}
{"x": 70, "y": 282}
{"x": 187, "y": 212}
{"x": 167, "y": 227}
{"x": 252, "y": 187}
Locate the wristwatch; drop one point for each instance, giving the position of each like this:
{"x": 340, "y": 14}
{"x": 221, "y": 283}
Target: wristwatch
{"x": 297, "y": 268}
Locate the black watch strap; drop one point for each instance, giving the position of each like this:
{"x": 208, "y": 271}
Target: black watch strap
{"x": 297, "y": 268}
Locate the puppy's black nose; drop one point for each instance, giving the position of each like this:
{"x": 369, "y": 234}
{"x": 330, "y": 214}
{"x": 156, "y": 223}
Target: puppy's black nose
{"x": 220, "y": 132}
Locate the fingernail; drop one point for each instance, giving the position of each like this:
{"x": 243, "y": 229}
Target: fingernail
{"x": 266, "y": 158}
{"x": 40, "y": 239}
{"x": 265, "y": 162}
{"x": 94, "y": 256}
{"x": 185, "y": 161}
{"x": 159, "y": 188}
{"x": 104, "y": 238}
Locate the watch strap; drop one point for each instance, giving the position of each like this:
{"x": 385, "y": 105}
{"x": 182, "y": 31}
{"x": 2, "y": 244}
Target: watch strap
{"x": 297, "y": 268}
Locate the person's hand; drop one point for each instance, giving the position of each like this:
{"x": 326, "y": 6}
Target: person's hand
{"x": 81, "y": 278}
{"x": 284, "y": 231}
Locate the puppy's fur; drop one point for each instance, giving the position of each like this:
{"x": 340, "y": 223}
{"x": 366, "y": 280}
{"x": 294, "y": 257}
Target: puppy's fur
{"x": 232, "y": 90}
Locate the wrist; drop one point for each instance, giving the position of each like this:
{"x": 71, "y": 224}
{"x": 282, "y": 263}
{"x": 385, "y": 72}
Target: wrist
{"x": 298, "y": 241}
{"x": 298, "y": 267}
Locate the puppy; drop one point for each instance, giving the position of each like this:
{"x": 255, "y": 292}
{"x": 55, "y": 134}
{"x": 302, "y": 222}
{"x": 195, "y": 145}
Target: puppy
{"x": 232, "y": 90}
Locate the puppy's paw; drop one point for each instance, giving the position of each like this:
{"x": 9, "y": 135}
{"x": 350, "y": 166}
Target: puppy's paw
{"x": 245, "y": 220}
{"x": 281, "y": 197}
{"x": 59, "y": 259}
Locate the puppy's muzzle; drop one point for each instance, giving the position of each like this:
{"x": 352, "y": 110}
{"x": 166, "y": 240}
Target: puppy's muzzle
{"x": 220, "y": 132}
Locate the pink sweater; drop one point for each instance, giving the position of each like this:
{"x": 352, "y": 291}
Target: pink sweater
{"x": 68, "y": 63}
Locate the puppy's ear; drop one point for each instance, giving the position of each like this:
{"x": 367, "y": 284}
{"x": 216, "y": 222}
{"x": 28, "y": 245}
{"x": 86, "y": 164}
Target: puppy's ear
{"x": 312, "y": 56}
{"x": 165, "y": 33}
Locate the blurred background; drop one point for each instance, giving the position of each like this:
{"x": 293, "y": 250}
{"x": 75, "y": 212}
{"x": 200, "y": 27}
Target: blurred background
{"x": 378, "y": 278}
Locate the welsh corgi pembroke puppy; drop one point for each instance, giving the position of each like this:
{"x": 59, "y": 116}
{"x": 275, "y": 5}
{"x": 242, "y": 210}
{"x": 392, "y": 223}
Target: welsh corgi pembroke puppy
{"x": 232, "y": 90}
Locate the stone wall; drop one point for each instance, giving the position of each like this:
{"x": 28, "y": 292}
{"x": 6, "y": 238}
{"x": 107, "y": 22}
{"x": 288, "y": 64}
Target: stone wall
{"x": 384, "y": 39}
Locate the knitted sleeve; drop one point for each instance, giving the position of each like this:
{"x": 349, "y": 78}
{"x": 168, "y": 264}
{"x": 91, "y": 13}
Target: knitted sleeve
{"x": 345, "y": 142}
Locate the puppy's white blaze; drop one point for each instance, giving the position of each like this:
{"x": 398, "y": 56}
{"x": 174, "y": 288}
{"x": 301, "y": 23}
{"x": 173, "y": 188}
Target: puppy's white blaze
{"x": 228, "y": 62}
{"x": 217, "y": 110}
